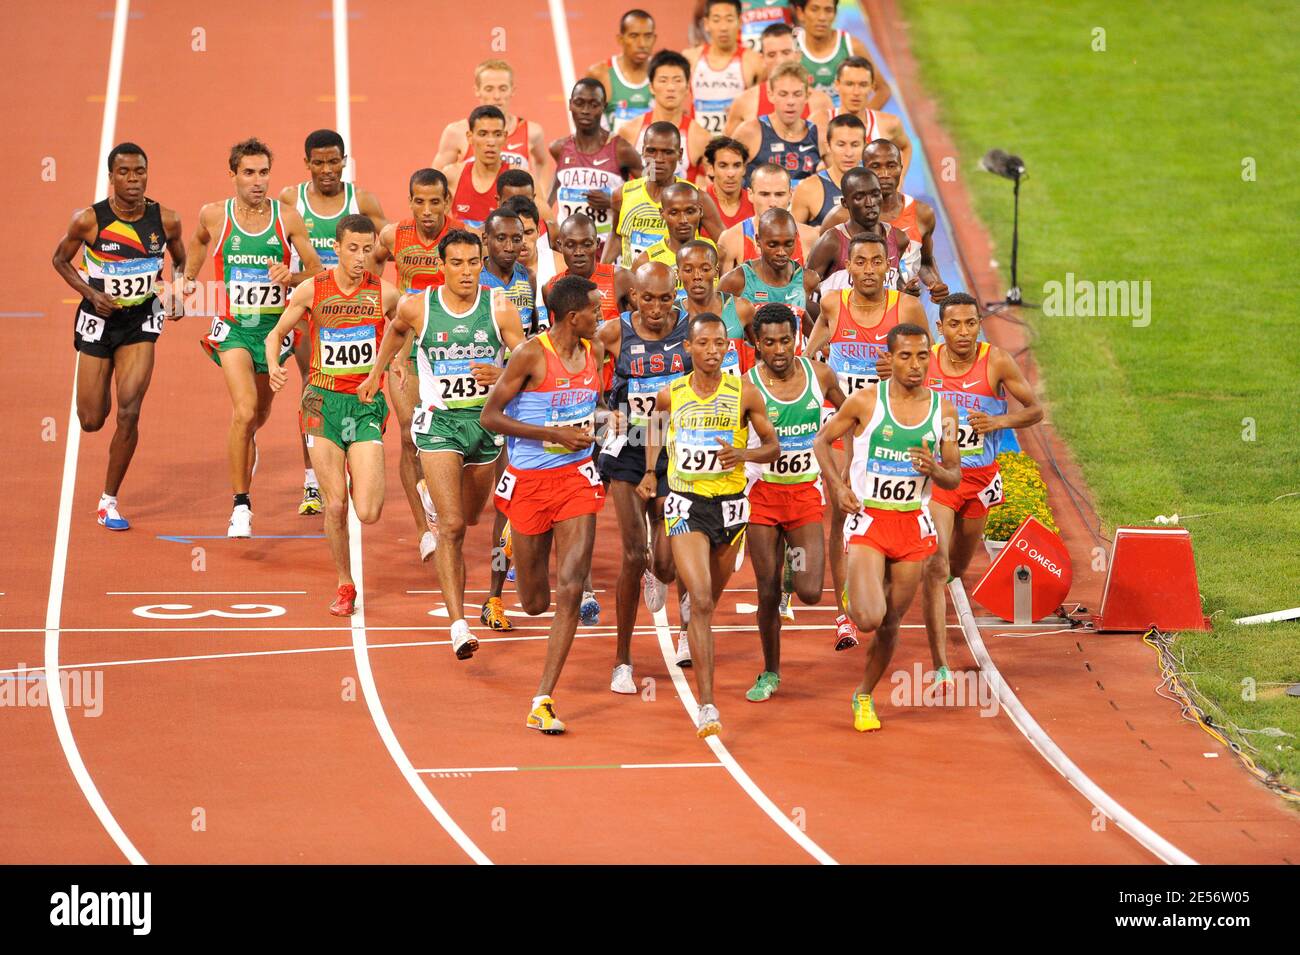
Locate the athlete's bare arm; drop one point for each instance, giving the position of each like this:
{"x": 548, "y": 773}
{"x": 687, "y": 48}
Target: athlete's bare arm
{"x": 731, "y": 245}
{"x": 83, "y": 230}
{"x": 614, "y": 244}
{"x": 172, "y": 296}
{"x": 824, "y": 327}
{"x": 209, "y": 222}
{"x": 600, "y": 71}
{"x": 526, "y": 366}
{"x": 808, "y": 235}
{"x": 812, "y": 300}
{"x": 710, "y": 218}
{"x": 733, "y": 283}
{"x": 828, "y": 382}
{"x": 808, "y": 196}
{"x": 629, "y": 160}
{"x": 384, "y": 247}
{"x": 406, "y": 322}
{"x": 754, "y": 409}
{"x": 697, "y": 140}
{"x": 751, "y": 66}
{"x": 928, "y": 272}
{"x": 628, "y": 129}
{"x": 622, "y": 288}
{"x": 543, "y": 165}
{"x": 944, "y": 469}
{"x": 296, "y": 311}
{"x": 750, "y": 134}
{"x": 509, "y": 322}
{"x": 852, "y": 415}
{"x": 368, "y": 204}
{"x": 822, "y": 256}
{"x": 296, "y": 231}
{"x": 1005, "y": 374}
{"x": 556, "y": 149}
{"x": 742, "y": 109}
{"x": 911, "y": 310}
{"x": 820, "y": 108}
{"x": 452, "y": 145}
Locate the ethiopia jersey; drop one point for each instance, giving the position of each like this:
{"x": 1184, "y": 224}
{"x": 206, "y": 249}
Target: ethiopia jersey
{"x": 578, "y": 173}
{"x": 418, "y": 264}
{"x": 243, "y": 261}
{"x": 449, "y": 343}
{"x": 796, "y": 423}
{"x": 514, "y": 152}
{"x": 823, "y": 71}
{"x": 694, "y": 429}
{"x": 640, "y": 222}
{"x": 321, "y": 230}
{"x": 626, "y": 100}
{"x": 562, "y": 398}
{"x": 125, "y": 259}
{"x": 970, "y": 392}
{"x": 881, "y": 473}
{"x": 853, "y": 349}
{"x": 345, "y": 331}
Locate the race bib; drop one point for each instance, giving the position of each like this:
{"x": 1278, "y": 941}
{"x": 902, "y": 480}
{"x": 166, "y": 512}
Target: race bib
{"x": 131, "y": 281}
{"x": 252, "y": 291}
{"x": 153, "y": 322}
{"x": 892, "y": 491}
{"x": 90, "y": 327}
{"x": 854, "y": 381}
{"x": 573, "y": 201}
{"x": 676, "y": 507}
{"x": 855, "y": 525}
{"x": 791, "y": 467}
{"x": 350, "y": 350}
{"x": 588, "y": 470}
{"x": 577, "y": 416}
{"x": 969, "y": 441}
{"x": 421, "y": 420}
{"x": 731, "y": 360}
{"x": 506, "y": 486}
{"x": 220, "y": 331}
{"x": 455, "y": 386}
{"x": 735, "y": 512}
{"x": 712, "y": 114}
{"x": 925, "y": 524}
{"x": 642, "y": 396}
{"x": 991, "y": 495}
{"x": 697, "y": 455}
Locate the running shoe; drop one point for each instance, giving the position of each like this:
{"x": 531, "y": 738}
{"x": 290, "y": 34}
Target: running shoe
{"x": 846, "y": 633}
{"x": 463, "y": 642}
{"x": 622, "y": 681}
{"x": 763, "y": 687}
{"x": 345, "y": 602}
{"x": 311, "y": 502}
{"x": 494, "y": 616}
{"x": 241, "y": 522}
{"x": 653, "y": 590}
{"x": 510, "y": 574}
{"x": 506, "y": 543}
{"x": 864, "y": 714}
{"x": 683, "y": 651}
{"x": 943, "y": 677}
{"x": 428, "y": 544}
{"x": 589, "y": 611}
{"x": 710, "y": 723}
{"x": 787, "y": 612}
{"x": 543, "y": 718}
{"x": 684, "y": 608}
{"x": 430, "y": 514}
{"x": 114, "y": 521}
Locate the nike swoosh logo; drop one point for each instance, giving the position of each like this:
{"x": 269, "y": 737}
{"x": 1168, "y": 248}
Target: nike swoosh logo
{"x": 804, "y": 149}
{"x": 600, "y": 162}
{"x": 967, "y": 384}
{"x": 879, "y": 338}
{"x": 672, "y": 346}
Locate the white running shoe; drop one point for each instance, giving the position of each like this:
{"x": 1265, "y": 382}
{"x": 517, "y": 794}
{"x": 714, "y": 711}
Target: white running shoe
{"x": 684, "y": 608}
{"x": 241, "y": 522}
{"x": 653, "y": 590}
{"x": 622, "y": 681}
{"x": 428, "y": 544}
{"x": 683, "y": 651}
{"x": 463, "y": 642}
{"x": 709, "y": 723}
{"x": 430, "y": 513}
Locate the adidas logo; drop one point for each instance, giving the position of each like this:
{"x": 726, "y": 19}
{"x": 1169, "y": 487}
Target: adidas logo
{"x": 811, "y": 405}
{"x": 273, "y": 241}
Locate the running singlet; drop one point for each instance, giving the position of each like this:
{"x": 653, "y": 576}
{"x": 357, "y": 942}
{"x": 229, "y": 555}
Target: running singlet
{"x": 243, "y": 261}
{"x": 470, "y": 205}
{"x": 830, "y": 198}
{"x": 448, "y": 345}
{"x": 644, "y": 366}
{"x": 896, "y": 246}
{"x": 579, "y": 173}
{"x": 125, "y": 260}
{"x": 604, "y": 279}
{"x": 660, "y": 252}
{"x": 740, "y": 353}
{"x": 796, "y": 423}
{"x": 970, "y": 392}
{"x": 744, "y": 211}
{"x": 563, "y": 398}
{"x": 823, "y": 71}
{"x": 760, "y": 293}
{"x": 694, "y": 428}
{"x": 799, "y": 158}
{"x": 322, "y": 229}
{"x": 906, "y": 220}
{"x": 345, "y": 332}
{"x": 853, "y": 349}
{"x": 520, "y": 292}
{"x": 749, "y": 243}
{"x": 684, "y": 167}
{"x": 881, "y": 474}
{"x": 640, "y": 224}
{"x": 757, "y": 15}
{"x": 713, "y": 91}
{"x": 626, "y": 100}
{"x": 514, "y": 152}
{"x": 766, "y": 107}
{"x": 418, "y": 264}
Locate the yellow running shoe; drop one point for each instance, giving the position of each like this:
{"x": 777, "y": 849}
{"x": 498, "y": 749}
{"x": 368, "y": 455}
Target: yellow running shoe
{"x": 543, "y": 718}
{"x": 494, "y": 615}
{"x": 311, "y": 502}
{"x": 864, "y": 714}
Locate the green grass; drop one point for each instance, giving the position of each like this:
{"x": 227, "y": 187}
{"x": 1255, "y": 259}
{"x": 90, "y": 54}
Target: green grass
{"x": 1136, "y": 159}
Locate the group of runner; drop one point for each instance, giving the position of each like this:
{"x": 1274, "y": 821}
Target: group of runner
{"x": 712, "y": 317}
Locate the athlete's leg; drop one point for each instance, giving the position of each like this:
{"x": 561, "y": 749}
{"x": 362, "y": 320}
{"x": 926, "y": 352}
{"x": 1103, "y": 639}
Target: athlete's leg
{"x": 533, "y": 562}
{"x": 839, "y": 566}
{"x": 331, "y": 471}
{"x": 807, "y": 551}
{"x": 264, "y": 398}
{"x": 500, "y": 563}
{"x": 241, "y": 382}
{"x": 574, "y": 540}
{"x": 302, "y": 357}
{"x": 94, "y": 400}
{"x": 627, "y": 591}
{"x": 366, "y": 467}
{"x": 403, "y": 401}
{"x": 133, "y": 369}
{"x": 934, "y": 579}
{"x": 661, "y": 553}
{"x": 444, "y": 476}
{"x": 904, "y": 577}
{"x": 866, "y": 589}
{"x": 765, "y": 548}
{"x": 692, "y": 556}
{"x": 966, "y": 536}
{"x": 477, "y": 481}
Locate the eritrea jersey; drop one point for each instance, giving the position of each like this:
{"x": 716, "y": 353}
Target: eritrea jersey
{"x": 519, "y": 289}
{"x": 345, "y": 331}
{"x": 514, "y": 152}
{"x": 243, "y": 261}
{"x": 578, "y": 173}
{"x": 799, "y": 158}
{"x": 626, "y": 100}
{"x": 449, "y": 343}
{"x": 796, "y": 423}
{"x": 640, "y": 223}
{"x": 749, "y": 243}
{"x": 125, "y": 259}
{"x": 562, "y": 398}
{"x": 823, "y": 71}
{"x": 644, "y": 366}
{"x": 971, "y": 392}
{"x": 321, "y": 230}
{"x": 418, "y": 264}
{"x": 757, "y": 15}
{"x": 695, "y": 426}
{"x": 853, "y": 348}
{"x": 881, "y": 474}
{"x": 713, "y": 91}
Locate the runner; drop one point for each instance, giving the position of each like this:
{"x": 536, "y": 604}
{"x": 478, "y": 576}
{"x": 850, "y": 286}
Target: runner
{"x": 579, "y": 248}
{"x": 822, "y": 49}
{"x": 473, "y": 183}
{"x": 518, "y": 182}
{"x": 535, "y": 255}
{"x": 708, "y": 417}
{"x": 623, "y": 76}
{"x": 769, "y": 188}
{"x": 638, "y": 223}
{"x": 829, "y": 257}
{"x": 819, "y": 195}
{"x": 523, "y": 145}
{"x": 670, "y": 74}
{"x": 253, "y": 237}
{"x": 646, "y": 351}
{"x": 461, "y": 331}
{"x": 697, "y": 276}
{"x": 322, "y": 201}
{"x": 545, "y": 404}
{"x": 855, "y": 83}
{"x": 757, "y": 15}
{"x": 724, "y": 163}
{"x": 346, "y": 309}
{"x": 591, "y": 165}
{"x": 120, "y": 315}
{"x": 895, "y": 428}
{"x": 682, "y": 211}
{"x": 721, "y": 69}
{"x": 783, "y": 137}
{"x": 777, "y": 46}
{"x": 975, "y": 376}
{"x": 785, "y": 497}
{"x": 852, "y": 330}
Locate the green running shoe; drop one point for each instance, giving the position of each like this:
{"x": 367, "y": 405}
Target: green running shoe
{"x": 763, "y": 687}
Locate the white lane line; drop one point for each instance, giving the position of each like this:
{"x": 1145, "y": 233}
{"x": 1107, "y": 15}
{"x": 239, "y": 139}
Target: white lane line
{"x": 59, "y": 565}
{"x": 199, "y": 593}
{"x": 1145, "y": 836}
{"x": 687, "y": 697}
{"x": 532, "y": 769}
{"x": 343, "y": 85}
{"x": 563, "y": 50}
